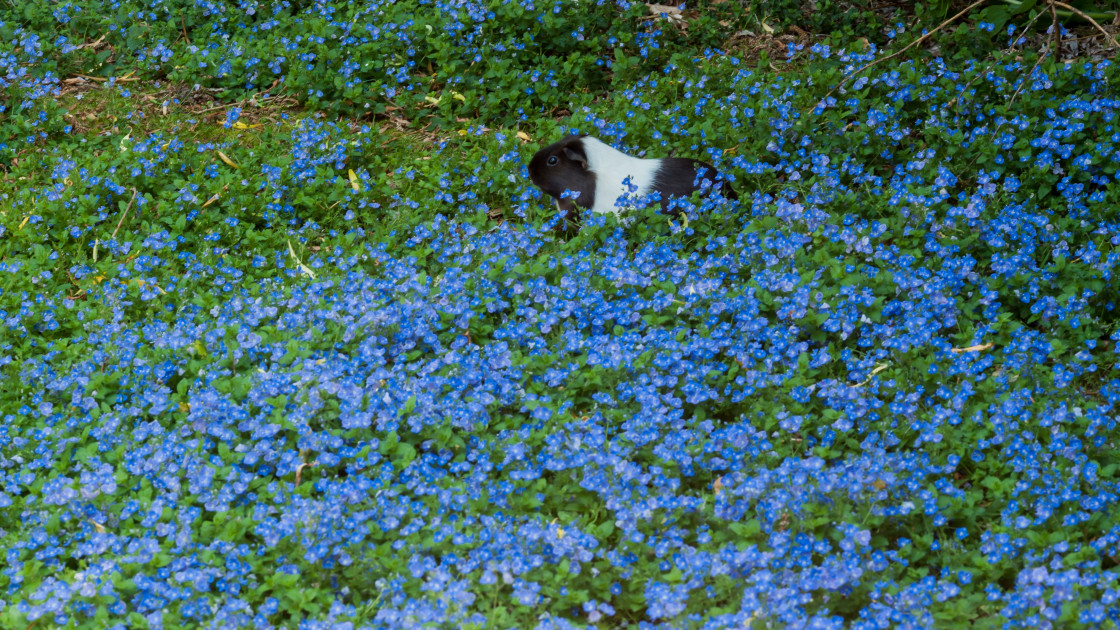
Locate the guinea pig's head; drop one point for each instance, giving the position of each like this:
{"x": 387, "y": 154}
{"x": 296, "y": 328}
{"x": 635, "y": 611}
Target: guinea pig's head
{"x": 563, "y": 166}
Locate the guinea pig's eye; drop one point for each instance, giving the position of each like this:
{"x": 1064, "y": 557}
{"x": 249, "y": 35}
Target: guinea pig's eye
{"x": 553, "y": 160}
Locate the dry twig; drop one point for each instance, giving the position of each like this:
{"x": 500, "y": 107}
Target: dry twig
{"x": 1054, "y": 27}
{"x": 124, "y": 214}
{"x": 976, "y": 78}
{"x": 1090, "y": 19}
{"x": 908, "y": 47}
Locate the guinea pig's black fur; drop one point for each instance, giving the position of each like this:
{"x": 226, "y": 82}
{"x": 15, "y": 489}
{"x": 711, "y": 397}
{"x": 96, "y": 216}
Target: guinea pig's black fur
{"x": 596, "y": 171}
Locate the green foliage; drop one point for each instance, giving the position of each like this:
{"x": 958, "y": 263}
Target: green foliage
{"x": 143, "y": 249}
{"x": 844, "y": 20}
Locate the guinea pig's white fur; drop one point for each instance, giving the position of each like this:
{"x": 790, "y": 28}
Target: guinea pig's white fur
{"x": 611, "y": 168}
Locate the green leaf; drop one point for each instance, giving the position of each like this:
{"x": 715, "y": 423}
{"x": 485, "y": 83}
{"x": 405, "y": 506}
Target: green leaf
{"x": 405, "y": 452}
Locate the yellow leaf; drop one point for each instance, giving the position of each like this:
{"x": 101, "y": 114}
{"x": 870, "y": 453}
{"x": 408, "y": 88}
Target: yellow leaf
{"x": 354, "y": 180}
{"x": 241, "y": 125}
{"x": 226, "y": 159}
{"x": 98, "y": 279}
{"x": 210, "y": 201}
{"x": 986, "y": 346}
{"x": 140, "y": 282}
{"x": 199, "y": 349}
{"x": 432, "y": 100}
{"x": 459, "y": 97}
{"x": 524, "y": 136}
{"x": 184, "y": 407}
{"x": 878, "y": 368}
{"x": 24, "y": 222}
{"x": 302, "y": 267}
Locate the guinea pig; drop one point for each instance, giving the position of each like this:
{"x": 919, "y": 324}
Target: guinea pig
{"x": 596, "y": 171}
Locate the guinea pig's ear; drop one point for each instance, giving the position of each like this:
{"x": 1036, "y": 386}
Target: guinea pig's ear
{"x": 576, "y": 156}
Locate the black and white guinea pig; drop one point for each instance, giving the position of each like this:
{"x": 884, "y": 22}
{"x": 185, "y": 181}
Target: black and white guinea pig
{"x": 597, "y": 171}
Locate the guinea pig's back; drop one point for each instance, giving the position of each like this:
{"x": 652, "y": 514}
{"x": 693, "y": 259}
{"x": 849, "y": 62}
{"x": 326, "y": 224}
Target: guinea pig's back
{"x": 677, "y": 177}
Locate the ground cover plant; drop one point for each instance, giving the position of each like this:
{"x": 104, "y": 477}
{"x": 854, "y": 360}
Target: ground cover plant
{"x": 289, "y": 340}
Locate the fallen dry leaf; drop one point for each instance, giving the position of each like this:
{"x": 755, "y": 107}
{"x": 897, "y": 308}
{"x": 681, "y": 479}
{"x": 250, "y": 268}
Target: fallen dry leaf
{"x": 672, "y": 13}
{"x": 986, "y": 346}
{"x": 223, "y": 157}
